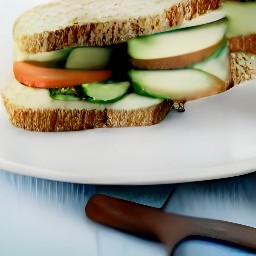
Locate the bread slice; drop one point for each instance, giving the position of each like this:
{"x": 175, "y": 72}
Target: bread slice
{"x": 243, "y": 67}
{"x": 58, "y": 120}
{"x": 67, "y": 23}
{"x": 243, "y": 58}
{"x": 33, "y": 109}
{"x": 243, "y": 44}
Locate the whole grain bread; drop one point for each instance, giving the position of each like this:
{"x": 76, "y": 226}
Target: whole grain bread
{"x": 243, "y": 67}
{"x": 67, "y": 23}
{"x": 243, "y": 58}
{"x": 58, "y": 120}
{"x": 243, "y": 44}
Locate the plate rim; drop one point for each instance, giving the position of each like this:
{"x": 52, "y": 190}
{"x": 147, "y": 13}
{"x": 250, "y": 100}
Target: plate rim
{"x": 230, "y": 170}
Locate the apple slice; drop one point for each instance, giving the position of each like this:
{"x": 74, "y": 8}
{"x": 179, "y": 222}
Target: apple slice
{"x": 91, "y": 58}
{"x": 179, "y": 42}
{"x": 175, "y": 62}
{"x": 177, "y": 85}
{"x": 241, "y": 17}
{"x": 42, "y": 57}
{"x": 218, "y": 64}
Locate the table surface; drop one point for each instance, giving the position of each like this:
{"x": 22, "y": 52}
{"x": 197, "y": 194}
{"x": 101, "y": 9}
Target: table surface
{"x": 47, "y": 218}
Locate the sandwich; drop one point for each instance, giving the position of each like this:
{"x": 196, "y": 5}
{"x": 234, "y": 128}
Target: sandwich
{"x": 241, "y": 34}
{"x": 85, "y": 64}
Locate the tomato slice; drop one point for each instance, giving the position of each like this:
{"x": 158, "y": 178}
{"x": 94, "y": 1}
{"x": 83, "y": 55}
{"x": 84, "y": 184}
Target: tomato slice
{"x": 43, "y": 77}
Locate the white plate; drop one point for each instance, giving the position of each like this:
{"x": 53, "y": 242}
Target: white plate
{"x": 214, "y": 138}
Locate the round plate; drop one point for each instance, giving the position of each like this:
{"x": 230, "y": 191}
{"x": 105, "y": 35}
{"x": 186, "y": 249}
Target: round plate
{"x": 214, "y": 138}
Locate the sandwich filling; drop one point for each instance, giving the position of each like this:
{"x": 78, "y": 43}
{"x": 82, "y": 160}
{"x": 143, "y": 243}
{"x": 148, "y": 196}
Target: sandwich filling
{"x": 182, "y": 64}
{"x": 241, "y": 29}
{"x": 241, "y": 16}
{"x": 241, "y": 36}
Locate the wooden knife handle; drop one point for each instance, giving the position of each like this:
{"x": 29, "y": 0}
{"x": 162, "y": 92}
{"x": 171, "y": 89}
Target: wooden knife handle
{"x": 168, "y": 228}
{"x": 124, "y": 215}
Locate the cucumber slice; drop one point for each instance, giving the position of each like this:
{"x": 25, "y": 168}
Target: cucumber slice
{"x": 218, "y": 64}
{"x": 177, "y": 42}
{"x": 177, "y": 85}
{"x": 89, "y": 58}
{"x": 105, "y": 92}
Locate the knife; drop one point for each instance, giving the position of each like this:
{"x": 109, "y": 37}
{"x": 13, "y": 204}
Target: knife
{"x": 170, "y": 229}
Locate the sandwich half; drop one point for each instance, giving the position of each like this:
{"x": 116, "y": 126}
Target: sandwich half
{"x": 85, "y": 64}
{"x": 242, "y": 38}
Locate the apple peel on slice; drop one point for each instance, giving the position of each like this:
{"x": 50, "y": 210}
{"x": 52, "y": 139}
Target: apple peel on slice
{"x": 177, "y": 85}
{"x": 179, "y": 48}
{"x": 180, "y": 61}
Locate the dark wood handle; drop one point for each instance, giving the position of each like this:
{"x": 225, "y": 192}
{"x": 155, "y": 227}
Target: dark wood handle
{"x": 165, "y": 227}
{"x": 127, "y": 216}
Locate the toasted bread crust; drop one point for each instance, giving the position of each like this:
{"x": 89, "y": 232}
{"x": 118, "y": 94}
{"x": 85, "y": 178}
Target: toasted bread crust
{"x": 243, "y": 44}
{"x": 243, "y": 67}
{"x": 99, "y": 33}
{"x": 59, "y": 120}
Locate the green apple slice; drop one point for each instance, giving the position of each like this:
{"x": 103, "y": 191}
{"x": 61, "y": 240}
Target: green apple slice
{"x": 177, "y": 85}
{"x": 92, "y": 58}
{"x": 177, "y": 42}
{"x": 218, "y": 64}
{"x": 43, "y": 57}
{"x": 241, "y": 18}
